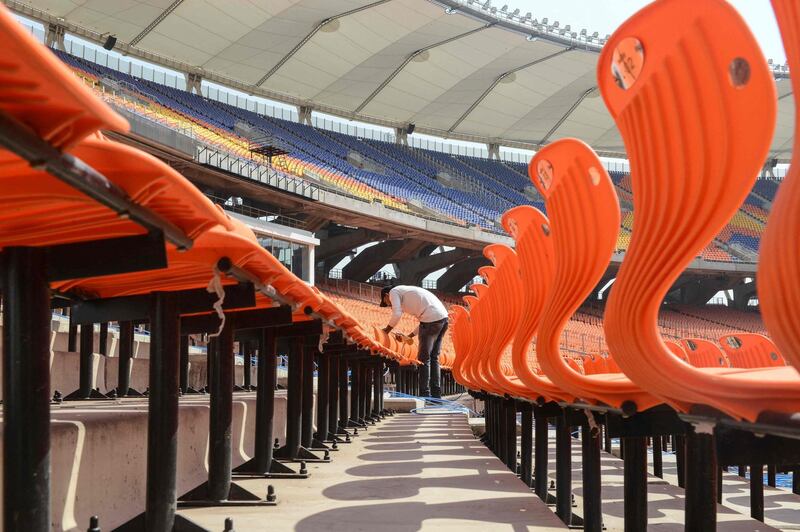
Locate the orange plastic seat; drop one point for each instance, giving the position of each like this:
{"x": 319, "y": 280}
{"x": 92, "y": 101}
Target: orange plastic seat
{"x": 779, "y": 266}
{"x": 702, "y": 353}
{"x": 750, "y": 350}
{"x": 584, "y": 222}
{"x": 676, "y": 349}
{"x": 702, "y": 158}
{"x": 186, "y": 270}
{"x": 504, "y": 306}
{"x": 531, "y": 232}
{"x": 38, "y": 209}
{"x": 41, "y": 92}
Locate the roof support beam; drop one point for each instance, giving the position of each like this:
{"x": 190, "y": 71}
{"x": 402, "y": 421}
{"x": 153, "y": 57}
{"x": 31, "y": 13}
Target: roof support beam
{"x": 158, "y": 20}
{"x": 500, "y": 78}
{"x": 311, "y": 34}
{"x": 571, "y": 110}
{"x": 411, "y": 58}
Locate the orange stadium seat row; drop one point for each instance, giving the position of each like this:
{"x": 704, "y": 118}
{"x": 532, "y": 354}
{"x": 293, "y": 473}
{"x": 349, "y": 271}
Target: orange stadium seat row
{"x": 623, "y": 357}
{"x": 64, "y": 186}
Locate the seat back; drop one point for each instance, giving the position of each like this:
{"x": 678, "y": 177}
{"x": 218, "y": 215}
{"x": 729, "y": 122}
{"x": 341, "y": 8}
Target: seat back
{"x": 779, "y": 267}
{"x": 584, "y": 223}
{"x": 505, "y": 309}
{"x": 750, "y": 350}
{"x": 697, "y": 113}
{"x": 704, "y": 353}
{"x": 530, "y": 229}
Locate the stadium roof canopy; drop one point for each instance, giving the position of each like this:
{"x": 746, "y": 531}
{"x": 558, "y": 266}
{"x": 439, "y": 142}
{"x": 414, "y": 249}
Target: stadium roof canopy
{"x": 454, "y": 68}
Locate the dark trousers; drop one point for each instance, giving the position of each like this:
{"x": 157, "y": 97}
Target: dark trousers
{"x": 430, "y": 342}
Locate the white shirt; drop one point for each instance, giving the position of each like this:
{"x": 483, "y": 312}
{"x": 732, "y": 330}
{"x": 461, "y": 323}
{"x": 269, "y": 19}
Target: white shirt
{"x": 416, "y": 301}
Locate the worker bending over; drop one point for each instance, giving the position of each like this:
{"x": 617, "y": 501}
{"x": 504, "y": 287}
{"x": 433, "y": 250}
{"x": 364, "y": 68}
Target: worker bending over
{"x": 432, "y": 316}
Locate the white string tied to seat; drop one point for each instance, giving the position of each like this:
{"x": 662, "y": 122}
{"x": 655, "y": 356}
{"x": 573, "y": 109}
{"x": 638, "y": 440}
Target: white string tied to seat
{"x": 215, "y": 287}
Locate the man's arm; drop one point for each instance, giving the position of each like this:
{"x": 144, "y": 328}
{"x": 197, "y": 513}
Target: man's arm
{"x": 397, "y": 311}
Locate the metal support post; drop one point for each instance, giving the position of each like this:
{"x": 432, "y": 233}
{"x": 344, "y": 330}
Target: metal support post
{"x": 247, "y": 352}
{"x": 658, "y": 466}
{"x": 563, "y": 469}
{"x": 125, "y": 355}
{"x": 263, "y": 463}
{"x": 679, "y": 445}
{"x": 540, "y": 456}
{"x": 757, "y": 491}
{"x": 635, "y": 489}
{"x": 526, "y": 443}
{"x": 592, "y": 485}
{"x": 102, "y": 341}
{"x": 85, "y": 390}
{"x": 26, "y": 390}
{"x": 701, "y": 481}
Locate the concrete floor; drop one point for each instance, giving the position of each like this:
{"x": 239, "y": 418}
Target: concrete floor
{"x": 409, "y": 473}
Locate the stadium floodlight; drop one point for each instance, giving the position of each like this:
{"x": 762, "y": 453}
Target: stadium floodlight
{"x": 555, "y": 24}
{"x": 583, "y": 32}
{"x": 595, "y": 35}
{"x": 516, "y": 12}
{"x": 544, "y": 21}
{"x": 504, "y": 8}
{"x": 567, "y": 28}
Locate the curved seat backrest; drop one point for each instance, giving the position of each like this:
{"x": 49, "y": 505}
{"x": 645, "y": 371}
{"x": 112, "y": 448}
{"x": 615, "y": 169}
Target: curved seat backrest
{"x": 702, "y": 353}
{"x": 676, "y": 349}
{"x": 505, "y": 306}
{"x": 779, "y": 266}
{"x": 459, "y": 323}
{"x": 750, "y": 350}
{"x": 584, "y": 223}
{"x": 696, "y": 111}
{"x": 530, "y": 229}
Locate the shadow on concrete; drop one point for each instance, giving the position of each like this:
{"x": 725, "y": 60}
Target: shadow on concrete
{"x": 409, "y": 516}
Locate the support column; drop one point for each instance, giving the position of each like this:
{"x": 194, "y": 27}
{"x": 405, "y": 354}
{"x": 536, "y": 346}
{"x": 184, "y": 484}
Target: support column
{"x": 526, "y": 443}
{"x": 263, "y": 463}
{"x": 701, "y": 481}
{"x": 323, "y": 384}
{"x": 658, "y": 467}
{"x": 26, "y": 390}
{"x": 540, "y": 456}
{"x": 162, "y": 420}
{"x": 102, "y": 343}
{"x": 592, "y": 484}
{"x": 510, "y": 422}
{"x": 563, "y": 469}
{"x": 247, "y": 352}
{"x": 343, "y": 397}
{"x": 291, "y": 449}
{"x": 635, "y": 490}
{"x": 124, "y": 361}
{"x": 757, "y": 491}
{"x": 307, "y": 430}
{"x": 221, "y": 416}
{"x": 184, "y": 364}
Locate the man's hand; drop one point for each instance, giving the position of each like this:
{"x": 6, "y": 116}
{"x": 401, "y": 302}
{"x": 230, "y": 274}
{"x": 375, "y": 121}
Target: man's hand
{"x": 387, "y": 329}
{"x": 403, "y": 338}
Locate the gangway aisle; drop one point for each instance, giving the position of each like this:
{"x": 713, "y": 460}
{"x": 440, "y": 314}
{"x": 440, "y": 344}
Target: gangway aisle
{"x": 409, "y": 473}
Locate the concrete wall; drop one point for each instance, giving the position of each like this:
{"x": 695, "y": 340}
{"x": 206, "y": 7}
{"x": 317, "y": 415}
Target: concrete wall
{"x": 98, "y": 457}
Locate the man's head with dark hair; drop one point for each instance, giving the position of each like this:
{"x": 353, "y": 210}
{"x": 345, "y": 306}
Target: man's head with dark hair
{"x": 385, "y": 296}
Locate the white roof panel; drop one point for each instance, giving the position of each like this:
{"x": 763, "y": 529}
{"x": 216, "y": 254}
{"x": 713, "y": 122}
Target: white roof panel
{"x": 460, "y": 72}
